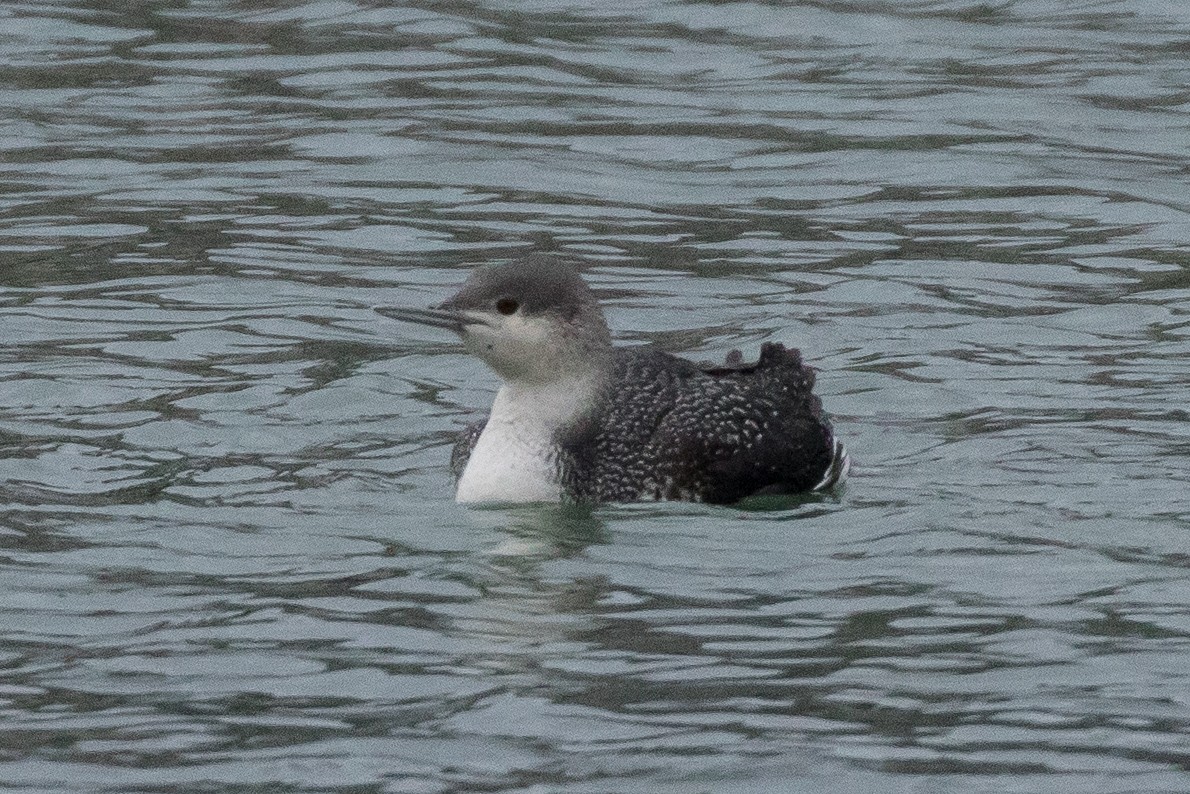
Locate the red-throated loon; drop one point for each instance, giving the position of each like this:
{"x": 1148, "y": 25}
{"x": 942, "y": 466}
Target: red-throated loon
{"x": 578, "y": 419}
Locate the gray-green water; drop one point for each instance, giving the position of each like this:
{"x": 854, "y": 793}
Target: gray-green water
{"x": 229, "y": 558}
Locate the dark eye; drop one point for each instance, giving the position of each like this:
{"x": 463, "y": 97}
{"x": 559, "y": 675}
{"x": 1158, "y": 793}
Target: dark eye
{"x": 507, "y": 305}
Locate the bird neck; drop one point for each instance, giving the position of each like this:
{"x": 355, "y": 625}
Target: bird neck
{"x": 549, "y": 407}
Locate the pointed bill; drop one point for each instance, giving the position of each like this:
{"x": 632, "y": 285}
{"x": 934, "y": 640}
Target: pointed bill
{"x": 450, "y": 319}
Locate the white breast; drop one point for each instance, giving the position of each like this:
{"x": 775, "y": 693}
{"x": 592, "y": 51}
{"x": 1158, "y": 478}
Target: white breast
{"x": 510, "y": 463}
{"x": 516, "y": 457}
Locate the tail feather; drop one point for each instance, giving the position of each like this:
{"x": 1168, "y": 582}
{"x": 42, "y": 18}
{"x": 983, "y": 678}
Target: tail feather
{"x": 836, "y": 472}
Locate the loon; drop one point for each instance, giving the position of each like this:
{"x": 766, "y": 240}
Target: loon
{"x": 578, "y": 419}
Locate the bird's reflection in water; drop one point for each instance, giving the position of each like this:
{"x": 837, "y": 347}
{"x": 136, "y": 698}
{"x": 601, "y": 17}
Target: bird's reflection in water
{"x": 529, "y": 611}
{"x": 532, "y": 533}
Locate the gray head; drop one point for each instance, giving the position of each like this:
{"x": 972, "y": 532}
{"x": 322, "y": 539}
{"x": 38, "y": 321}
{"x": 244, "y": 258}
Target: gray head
{"x": 531, "y": 320}
{"x": 537, "y": 285}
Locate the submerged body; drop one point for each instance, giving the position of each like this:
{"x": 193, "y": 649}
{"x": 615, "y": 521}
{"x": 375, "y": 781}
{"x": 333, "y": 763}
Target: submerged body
{"x": 579, "y": 419}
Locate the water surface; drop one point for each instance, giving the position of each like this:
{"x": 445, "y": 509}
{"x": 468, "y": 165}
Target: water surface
{"x": 230, "y": 556}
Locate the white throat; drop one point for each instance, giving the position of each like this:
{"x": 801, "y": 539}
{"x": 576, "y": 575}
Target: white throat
{"x": 516, "y": 456}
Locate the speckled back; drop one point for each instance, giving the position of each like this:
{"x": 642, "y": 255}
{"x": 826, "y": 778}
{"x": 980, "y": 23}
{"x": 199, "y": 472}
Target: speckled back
{"x": 671, "y": 429}
{"x": 674, "y": 430}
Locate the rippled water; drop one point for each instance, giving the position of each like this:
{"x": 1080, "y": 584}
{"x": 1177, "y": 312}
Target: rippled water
{"x": 230, "y": 558}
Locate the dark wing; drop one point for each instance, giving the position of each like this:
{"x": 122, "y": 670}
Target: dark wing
{"x": 769, "y": 433}
{"x": 464, "y": 444}
{"x": 675, "y": 430}
{"x": 607, "y": 457}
